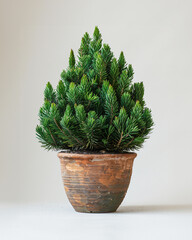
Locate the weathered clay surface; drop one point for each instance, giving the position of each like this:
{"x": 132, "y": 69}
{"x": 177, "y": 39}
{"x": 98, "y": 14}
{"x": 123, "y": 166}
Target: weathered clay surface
{"x": 96, "y": 182}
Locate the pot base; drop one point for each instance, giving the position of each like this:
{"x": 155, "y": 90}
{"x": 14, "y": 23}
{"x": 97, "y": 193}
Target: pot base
{"x": 96, "y": 211}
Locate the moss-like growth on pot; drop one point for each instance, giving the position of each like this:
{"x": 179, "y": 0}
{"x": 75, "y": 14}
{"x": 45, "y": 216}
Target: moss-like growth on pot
{"x": 95, "y": 106}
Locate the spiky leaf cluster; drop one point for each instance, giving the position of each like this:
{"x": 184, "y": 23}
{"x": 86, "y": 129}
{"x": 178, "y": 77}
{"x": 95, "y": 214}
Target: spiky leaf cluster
{"x": 95, "y": 106}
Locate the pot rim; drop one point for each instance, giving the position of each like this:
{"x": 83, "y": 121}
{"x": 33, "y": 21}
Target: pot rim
{"x": 84, "y": 155}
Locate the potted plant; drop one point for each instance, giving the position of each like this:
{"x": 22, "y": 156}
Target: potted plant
{"x": 95, "y": 117}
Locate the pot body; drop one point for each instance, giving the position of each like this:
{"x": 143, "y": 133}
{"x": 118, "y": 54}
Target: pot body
{"x": 96, "y": 182}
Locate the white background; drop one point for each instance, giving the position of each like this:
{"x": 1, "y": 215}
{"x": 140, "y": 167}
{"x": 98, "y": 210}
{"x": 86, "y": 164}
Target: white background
{"x": 35, "y": 41}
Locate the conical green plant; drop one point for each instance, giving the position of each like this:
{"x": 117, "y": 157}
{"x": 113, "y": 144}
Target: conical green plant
{"x": 95, "y": 106}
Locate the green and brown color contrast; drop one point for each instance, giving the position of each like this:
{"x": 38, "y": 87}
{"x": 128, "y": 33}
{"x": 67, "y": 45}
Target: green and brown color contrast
{"x": 96, "y": 116}
{"x": 96, "y": 182}
{"x": 96, "y": 106}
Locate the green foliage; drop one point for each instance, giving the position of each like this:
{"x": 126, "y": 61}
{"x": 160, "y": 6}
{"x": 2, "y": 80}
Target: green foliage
{"x": 111, "y": 104}
{"x": 49, "y": 93}
{"x": 95, "y": 106}
{"x": 114, "y": 72}
{"x": 121, "y": 62}
{"x": 71, "y": 60}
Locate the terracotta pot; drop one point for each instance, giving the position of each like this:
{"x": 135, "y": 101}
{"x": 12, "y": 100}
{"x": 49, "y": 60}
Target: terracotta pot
{"x": 96, "y": 182}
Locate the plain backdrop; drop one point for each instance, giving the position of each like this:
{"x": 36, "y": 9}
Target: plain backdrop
{"x": 35, "y": 41}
